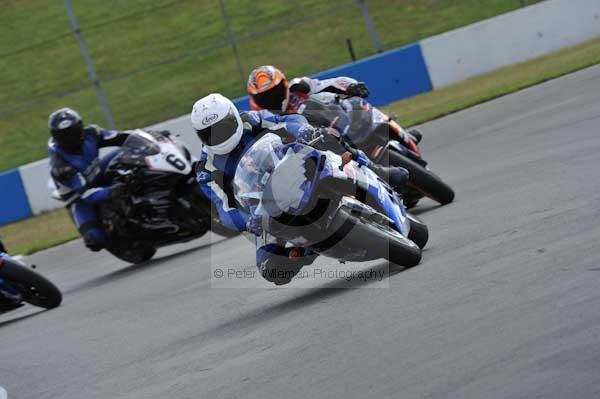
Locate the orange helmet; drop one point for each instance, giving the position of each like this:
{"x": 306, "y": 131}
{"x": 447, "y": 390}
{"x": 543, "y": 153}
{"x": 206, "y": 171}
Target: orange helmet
{"x": 268, "y": 89}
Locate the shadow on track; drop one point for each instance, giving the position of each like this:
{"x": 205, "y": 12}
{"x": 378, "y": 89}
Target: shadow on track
{"x": 424, "y": 209}
{"x": 270, "y": 312}
{"x": 129, "y": 270}
{"x": 19, "y": 318}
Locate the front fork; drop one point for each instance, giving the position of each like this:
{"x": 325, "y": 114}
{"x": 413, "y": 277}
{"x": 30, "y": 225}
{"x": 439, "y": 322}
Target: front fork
{"x": 6, "y": 290}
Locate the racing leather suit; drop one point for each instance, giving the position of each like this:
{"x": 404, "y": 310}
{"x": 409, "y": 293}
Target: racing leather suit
{"x": 215, "y": 175}
{"x": 78, "y": 180}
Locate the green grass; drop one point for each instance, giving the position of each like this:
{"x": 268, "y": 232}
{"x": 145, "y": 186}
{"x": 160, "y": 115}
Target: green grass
{"x": 55, "y": 227}
{"x": 39, "y": 232}
{"x": 156, "y": 57}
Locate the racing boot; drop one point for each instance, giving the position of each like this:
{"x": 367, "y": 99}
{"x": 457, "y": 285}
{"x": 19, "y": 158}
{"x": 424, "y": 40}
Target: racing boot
{"x": 280, "y": 265}
{"x": 416, "y": 134}
{"x": 395, "y": 176}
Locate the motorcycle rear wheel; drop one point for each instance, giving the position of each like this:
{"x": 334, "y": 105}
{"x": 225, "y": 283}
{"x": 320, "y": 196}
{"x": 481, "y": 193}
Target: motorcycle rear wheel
{"x": 423, "y": 179}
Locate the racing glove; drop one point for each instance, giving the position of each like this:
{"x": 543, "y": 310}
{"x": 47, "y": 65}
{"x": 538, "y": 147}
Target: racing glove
{"x": 358, "y": 89}
{"x": 254, "y": 225}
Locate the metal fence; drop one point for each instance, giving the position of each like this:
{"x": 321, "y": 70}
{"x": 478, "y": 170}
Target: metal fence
{"x": 136, "y": 62}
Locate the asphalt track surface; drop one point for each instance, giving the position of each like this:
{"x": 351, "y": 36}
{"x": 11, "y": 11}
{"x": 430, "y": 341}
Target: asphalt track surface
{"x": 505, "y": 303}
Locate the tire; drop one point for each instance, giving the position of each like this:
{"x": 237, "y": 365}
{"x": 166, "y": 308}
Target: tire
{"x": 419, "y": 233}
{"x": 423, "y": 180}
{"x": 381, "y": 241}
{"x": 35, "y": 288}
{"x": 135, "y": 254}
{"x": 410, "y": 197}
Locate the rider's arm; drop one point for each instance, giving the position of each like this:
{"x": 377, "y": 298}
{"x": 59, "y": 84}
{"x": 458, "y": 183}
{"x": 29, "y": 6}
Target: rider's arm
{"x": 109, "y": 138}
{"x": 306, "y": 85}
{"x": 72, "y": 186}
{"x": 230, "y": 216}
{"x": 293, "y": 124}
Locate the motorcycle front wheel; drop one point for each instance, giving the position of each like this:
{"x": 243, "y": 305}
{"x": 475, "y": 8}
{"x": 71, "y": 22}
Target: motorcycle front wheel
{"x": 35, "y": 288}
{"x": 380, "y": 241}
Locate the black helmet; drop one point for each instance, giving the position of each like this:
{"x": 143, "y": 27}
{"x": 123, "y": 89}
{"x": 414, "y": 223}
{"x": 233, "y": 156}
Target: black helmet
{"x": 66, "y": 127}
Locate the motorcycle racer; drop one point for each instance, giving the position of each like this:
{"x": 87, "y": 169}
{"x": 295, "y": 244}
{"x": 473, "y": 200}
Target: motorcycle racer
{"x": 76, "y": 170}
{"x": 269, "y": 89}
{"x": 226, "y": 135}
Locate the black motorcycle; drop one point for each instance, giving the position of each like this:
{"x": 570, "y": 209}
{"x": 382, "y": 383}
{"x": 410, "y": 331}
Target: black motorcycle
{"x": 162, "y": 203}
{"x": 381, "y": 138}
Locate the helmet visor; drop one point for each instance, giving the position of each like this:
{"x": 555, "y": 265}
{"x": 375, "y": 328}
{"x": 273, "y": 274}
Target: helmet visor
{"x": 272, "y": 99}
{"x": 69, "y": 138}
{"x": 219, "y": 132}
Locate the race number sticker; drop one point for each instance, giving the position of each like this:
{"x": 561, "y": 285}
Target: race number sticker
{"x": 176, "y": 162}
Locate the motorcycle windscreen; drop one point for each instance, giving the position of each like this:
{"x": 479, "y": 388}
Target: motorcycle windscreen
{"x": 269, "y": 178}
{"x": 353, "y": 116}
{"x": 141, "y": 144}
{"x": 362, "y": 120}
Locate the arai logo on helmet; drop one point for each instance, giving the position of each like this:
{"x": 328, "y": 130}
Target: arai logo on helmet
{"x": 209, "y": 119}
{"x": 65, "y": 124}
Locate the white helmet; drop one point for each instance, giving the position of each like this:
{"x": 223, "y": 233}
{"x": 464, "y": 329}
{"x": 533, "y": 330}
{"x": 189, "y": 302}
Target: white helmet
{"x": 217, "y": 123}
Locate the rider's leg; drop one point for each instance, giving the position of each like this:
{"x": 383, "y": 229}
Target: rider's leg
{"x": 396, "y": 176}
{"x": 104, "y": 161}
{"x": 416, "y": 134}
{"x": 87, "y": 223}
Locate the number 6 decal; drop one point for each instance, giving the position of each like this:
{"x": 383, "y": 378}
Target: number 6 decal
{"x": 176, "y": 162}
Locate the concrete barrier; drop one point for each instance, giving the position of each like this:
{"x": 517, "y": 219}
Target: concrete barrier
{"x": 35, "y": 178}
{"x": 509, "y": 39}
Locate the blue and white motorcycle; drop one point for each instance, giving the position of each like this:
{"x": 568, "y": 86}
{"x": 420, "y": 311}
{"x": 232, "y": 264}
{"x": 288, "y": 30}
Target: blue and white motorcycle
{"x": 327, "y": 203}
{"x": 19, "y": 284}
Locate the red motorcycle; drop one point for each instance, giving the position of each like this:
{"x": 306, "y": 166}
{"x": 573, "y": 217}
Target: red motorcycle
{"x": 381, "y": 138}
